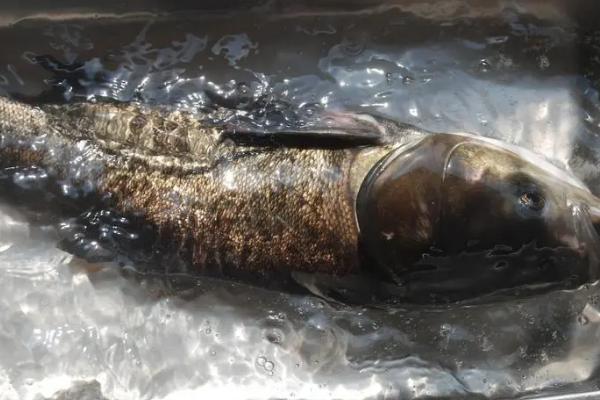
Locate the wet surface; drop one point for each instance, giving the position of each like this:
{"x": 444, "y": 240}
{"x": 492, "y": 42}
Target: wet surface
{"x": 528, "y": 80}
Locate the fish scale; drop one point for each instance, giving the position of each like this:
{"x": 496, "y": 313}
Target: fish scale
{"x": 277, "y": 208}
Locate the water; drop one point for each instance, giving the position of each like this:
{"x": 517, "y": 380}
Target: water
{"x": 71, "y": 330}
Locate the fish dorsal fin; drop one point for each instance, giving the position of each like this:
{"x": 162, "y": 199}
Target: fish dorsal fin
{"x": 191, "y": 143}
{"x": 329, "y": 129}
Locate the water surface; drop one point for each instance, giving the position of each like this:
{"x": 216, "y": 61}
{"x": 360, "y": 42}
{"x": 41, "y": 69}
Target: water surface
{"x": 529, "y": 79}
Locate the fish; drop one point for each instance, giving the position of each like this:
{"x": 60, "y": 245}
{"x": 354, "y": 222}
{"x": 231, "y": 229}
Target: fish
{"x": 355, "y": 204}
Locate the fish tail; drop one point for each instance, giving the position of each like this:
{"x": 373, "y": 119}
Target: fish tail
{"x": 53, "y": 178}
{"x": 39, "y": 170}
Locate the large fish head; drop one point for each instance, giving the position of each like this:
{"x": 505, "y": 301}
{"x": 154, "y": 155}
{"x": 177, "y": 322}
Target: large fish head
{"x": 457, "y": 216}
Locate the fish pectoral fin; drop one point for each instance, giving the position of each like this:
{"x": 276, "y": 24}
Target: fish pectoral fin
{"x": 83, "y": 265}
{"x": 356, "y": 289}
{"x": 329, "y": 128}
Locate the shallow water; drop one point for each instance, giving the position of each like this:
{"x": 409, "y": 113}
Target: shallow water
{"x": 529, "y": 80}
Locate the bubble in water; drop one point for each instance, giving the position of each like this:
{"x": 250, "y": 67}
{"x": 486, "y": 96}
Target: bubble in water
{"x": 310, "y": 109}
{"x": 497, "y": 39}
{"x": 260, "y": 361}
{"x": 482, "y": 119}
{"x": 353, "y": 47}
{"x": 500, "y": 265}
{"x": 234, "y": 47}
{"x": 504, "y": 61}
{"x": 484, "y": 65}
{"x": 269, "y": 366}
{"x": 266, "y": 364}
{"x": 274, "y": 337}
{"x": 543, "y": 62}
{"x": 582, "y": 319}
{"x": 389, "y": 77}
{"x": 414, "y": 111}
{"x": 445, "y": 330}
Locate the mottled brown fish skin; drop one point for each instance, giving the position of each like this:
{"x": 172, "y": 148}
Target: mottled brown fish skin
{"x": 223, "y": 207}
{"x": 247, "y": 215}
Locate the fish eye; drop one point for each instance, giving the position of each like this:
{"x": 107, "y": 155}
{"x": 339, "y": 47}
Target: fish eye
{"x": 532, "y": 199}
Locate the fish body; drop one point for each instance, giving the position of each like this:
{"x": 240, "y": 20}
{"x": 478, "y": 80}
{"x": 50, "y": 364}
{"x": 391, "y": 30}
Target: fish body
{"x": 243, "y": 210}
{"x": 223, "y": 206}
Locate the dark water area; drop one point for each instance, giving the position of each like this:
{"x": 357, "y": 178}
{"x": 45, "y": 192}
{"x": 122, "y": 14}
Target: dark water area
{"x": 444, "y": 68}
{"x": 523, "y": 72}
